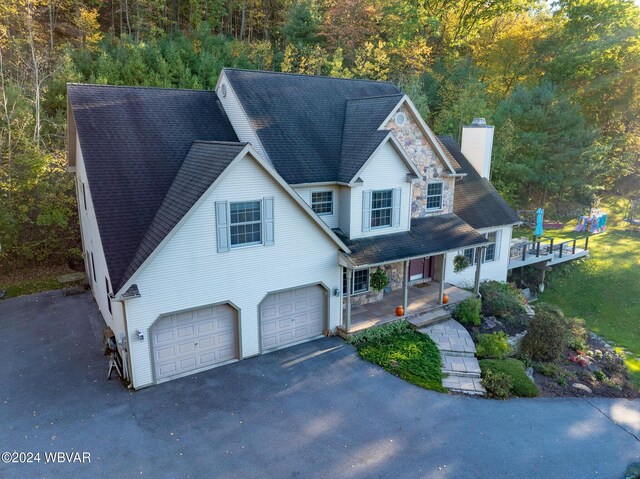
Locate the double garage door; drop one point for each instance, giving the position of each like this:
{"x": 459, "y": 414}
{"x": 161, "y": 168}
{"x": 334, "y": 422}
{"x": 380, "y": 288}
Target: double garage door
{"x": 202, "y": 338}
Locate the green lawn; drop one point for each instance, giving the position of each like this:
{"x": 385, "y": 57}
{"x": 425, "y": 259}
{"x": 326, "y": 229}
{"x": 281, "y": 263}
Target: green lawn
{"x": 403, "y": 352}
{"x": 605, "y": 289}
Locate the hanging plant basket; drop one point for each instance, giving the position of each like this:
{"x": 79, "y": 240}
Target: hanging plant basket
{"x": 460, "y": 263}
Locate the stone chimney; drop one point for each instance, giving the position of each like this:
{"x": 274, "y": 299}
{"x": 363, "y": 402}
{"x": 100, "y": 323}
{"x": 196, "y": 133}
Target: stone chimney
{"x": 476, "y": 145}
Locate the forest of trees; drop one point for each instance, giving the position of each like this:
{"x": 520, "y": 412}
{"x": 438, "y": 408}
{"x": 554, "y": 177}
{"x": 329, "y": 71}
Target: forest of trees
{"x": 559, "y": 80}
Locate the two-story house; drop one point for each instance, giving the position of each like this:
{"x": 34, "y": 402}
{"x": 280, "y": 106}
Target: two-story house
{"x": 219, "y": 225}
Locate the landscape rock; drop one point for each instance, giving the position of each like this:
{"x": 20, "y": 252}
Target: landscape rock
{"x": 515, "y": 341}
{"x": 582, "y": 387}
{"x": 530, "y": 311}
{"x": 529, "y": 372}
{"x": 491, "y": 322}
{"x": 2, "y": 294}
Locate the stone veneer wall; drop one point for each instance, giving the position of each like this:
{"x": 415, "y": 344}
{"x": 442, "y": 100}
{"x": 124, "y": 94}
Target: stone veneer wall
{"x": 419, "y": 150}
{"x": 394, "y": 272}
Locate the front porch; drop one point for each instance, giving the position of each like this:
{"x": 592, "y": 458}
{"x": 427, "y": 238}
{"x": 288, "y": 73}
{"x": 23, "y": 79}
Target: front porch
{"x": 421, "y": 299}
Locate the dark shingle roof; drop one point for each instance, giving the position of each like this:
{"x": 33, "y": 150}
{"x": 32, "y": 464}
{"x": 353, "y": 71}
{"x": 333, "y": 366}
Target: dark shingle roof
{"x": 360, "y": 136}
{"x": 476, "y": 201}
{"x": 428, "y": 236}
{"x": 300, "y": 119}
{"x": 203, "y": 164}
{"x": 133, "y": 141}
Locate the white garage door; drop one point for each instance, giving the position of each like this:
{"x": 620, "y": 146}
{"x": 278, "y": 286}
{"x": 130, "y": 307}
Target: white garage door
{"x": 194, "y": 340}
{"x": 291, "y": 316}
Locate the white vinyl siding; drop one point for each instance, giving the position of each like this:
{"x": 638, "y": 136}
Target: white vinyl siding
{"x": 331, "y": 219}
{"x": 188, "y": 272}
{"x": 386, "y": 171}
{"x": 96, "y": 266}
{"x": 344, "y": 218}
{"x": 238, "y": 117}
{"x": 490, "y": 270}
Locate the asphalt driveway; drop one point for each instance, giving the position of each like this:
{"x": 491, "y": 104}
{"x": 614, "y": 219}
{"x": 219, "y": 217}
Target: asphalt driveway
{"x": 314, "y": 410}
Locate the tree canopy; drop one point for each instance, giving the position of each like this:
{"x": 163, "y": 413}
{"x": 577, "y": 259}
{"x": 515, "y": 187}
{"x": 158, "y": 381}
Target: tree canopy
{"x": 560, "y": 81}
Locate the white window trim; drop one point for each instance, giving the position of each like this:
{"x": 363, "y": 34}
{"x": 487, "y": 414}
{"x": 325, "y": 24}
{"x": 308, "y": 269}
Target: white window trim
{"x": 261, "y": 222}
{"x": 426, "y": 196}
{"x": 353, "y": 277}
{"x": 371, "y": 209}
{"x": 496, "y": 255}
{"x": 333, "y": 199}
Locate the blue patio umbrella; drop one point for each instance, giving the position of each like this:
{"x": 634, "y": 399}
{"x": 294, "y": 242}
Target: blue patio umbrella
{"x": 539, "y": 220}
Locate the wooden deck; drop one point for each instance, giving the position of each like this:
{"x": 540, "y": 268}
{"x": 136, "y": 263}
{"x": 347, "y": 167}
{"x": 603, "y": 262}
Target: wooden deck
{"x": 422, "y": 299}
{"x": 544, "y": 250}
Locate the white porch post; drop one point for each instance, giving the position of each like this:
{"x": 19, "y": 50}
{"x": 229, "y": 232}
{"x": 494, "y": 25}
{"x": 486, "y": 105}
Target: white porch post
{"x": 479, "y": 260}
{"x": 442, "y": 276}
{"x": 405, "y": 285}
{"x": 348, "y": 318}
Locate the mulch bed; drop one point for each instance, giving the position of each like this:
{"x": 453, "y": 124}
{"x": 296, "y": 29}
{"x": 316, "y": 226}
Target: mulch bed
{"x": 616, "y": 385}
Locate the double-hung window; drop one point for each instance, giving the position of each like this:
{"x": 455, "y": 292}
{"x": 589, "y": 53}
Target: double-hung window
{"x": 381, "y": 208}
{"x": 434, "y": 195}
{"x": 490, "y": 252}
{"x": 246, "y": 223}
{"x": 322, "y": 202}
{"x": 359, "y": 281}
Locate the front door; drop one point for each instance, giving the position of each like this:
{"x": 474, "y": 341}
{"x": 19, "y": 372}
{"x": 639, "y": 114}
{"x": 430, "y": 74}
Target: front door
{"x": 420, "y": 268}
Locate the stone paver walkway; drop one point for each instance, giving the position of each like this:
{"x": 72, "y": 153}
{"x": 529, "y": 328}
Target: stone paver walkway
{"x": 459, "y": 364}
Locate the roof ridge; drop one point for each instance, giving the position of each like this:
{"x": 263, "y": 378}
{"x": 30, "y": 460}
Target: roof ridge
{"x": 376, "y": 97}
{"x": 309, "y": 76}
{"x": 138, "y": 87}
{"x": 215, "y": 142}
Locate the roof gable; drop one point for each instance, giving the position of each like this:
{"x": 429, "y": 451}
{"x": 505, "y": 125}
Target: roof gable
{"x": 133, "y": 141}
{"x": 300, "y": 120}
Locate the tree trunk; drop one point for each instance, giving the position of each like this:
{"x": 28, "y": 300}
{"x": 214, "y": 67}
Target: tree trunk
{"x": 52, "y": 24}
{"x": 243, "y": 19}
{"x": 36, "y": 74}
{"x": 7, "y": 116}
{"x": 265, "y": 14}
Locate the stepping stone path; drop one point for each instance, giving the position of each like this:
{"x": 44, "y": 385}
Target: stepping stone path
{"x": 459, "y": 363}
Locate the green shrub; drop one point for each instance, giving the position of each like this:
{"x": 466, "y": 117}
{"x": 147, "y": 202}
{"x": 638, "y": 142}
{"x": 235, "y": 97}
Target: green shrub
{"x": 600, "y": 376}
{"x": 468, "y": 312}
{"x": 521, "y": 385}
{"x": 379, "y": 333}
{"x": 493, "y": 345}
{"x": 547, "y": 336}
{"x": 379, "y": 280}
{"x": 501, "y": 299}
{"x": 577, "y": 334}
{"x": 498, "y": 385}
{"x": 403, "y": 352}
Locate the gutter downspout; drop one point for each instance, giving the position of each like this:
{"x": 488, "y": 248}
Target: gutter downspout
{"x": 126, "y": 337}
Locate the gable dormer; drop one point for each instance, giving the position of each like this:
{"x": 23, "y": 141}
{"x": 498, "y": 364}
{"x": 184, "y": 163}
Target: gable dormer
{"x": 433, "y": 191}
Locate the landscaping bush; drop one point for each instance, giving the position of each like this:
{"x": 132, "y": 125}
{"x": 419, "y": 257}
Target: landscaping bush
{"x": 501, "y": 299}
{"x": 497, "y": 384}
{"x": 378, "y": 333}
{"x": 468, "y": 312}
{"x": 577, "y": 334}
{"x": 409, "y": 355}
{"x": 547, "y": 336}
{"x": 521, "y": 385}
{"x": 493, "y": 345}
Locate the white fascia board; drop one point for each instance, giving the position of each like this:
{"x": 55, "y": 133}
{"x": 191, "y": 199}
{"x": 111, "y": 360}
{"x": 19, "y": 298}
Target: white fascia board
{"x": 222, "y": 76}
{"x": 425, "y": 130}
{"x": 247, "y": 150}
{"x": 396, "y": 146}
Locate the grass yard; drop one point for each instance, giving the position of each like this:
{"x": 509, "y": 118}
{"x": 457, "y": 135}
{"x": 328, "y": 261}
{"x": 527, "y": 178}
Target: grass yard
{"x": 403, "y": 352}
{"x": 604, "y": 290}
{"x": 29, "y": 281}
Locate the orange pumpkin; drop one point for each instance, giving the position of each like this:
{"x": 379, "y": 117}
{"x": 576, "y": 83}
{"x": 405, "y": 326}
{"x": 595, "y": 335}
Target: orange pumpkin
{"x": 399, "y": 311}
{"x": 445, "y": 298}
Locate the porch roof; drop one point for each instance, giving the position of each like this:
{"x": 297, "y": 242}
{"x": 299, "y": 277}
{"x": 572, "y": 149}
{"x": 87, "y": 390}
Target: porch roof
{"x": 427, "y": 237}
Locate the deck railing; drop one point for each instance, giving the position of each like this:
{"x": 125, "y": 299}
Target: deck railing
{"x": 545, "y": 246}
